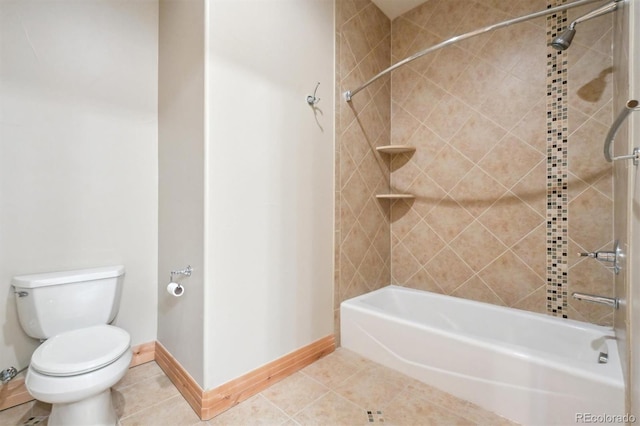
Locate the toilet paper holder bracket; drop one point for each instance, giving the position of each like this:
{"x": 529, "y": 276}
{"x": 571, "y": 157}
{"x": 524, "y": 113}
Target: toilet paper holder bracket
{"x": 186, "y": 272}
{"x": 176, "y": 288}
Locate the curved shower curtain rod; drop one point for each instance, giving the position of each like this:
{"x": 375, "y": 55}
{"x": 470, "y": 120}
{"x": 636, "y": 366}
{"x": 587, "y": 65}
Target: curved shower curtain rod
{"x": 350, "y": 93}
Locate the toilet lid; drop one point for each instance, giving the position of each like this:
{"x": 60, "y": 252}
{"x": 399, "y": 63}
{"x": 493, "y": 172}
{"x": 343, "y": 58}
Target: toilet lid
{"x": 80, "y": 351}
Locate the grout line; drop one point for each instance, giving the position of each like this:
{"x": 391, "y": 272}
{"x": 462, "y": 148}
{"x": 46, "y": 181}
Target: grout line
{"x": 260, "y": 395}
{"x": 156, "y": 402}
{"x": 293, "y": 416}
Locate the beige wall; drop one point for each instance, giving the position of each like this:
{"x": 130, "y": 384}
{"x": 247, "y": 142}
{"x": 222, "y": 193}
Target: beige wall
{"x": 246, "y": 181}
{"x": 78, "y": 137}
{"x": 627, "y": 184}
{"x": 181, "y": 180}
{"x": 476, "y": 112}
{"x": 363, "y": 37}
{"x": 269, "y": 182}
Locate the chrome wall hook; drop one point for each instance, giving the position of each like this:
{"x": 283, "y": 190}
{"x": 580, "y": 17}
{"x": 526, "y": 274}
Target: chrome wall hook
{"x": 312, "y": 99}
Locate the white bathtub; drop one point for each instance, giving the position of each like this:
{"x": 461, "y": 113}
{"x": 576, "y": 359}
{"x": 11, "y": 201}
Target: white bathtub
{"x": 530, "y": 368}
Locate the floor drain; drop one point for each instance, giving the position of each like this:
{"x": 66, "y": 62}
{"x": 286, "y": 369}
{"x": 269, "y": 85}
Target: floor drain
{"x": 375, "y": 416}
{"x": 35, "y": 420}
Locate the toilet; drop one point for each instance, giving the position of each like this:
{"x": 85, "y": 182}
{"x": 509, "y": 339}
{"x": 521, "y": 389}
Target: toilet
{"x": 81, "y": 356}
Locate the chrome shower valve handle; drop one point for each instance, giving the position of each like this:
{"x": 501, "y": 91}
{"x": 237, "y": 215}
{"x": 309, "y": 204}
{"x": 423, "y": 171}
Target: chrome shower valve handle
{"x": 603, "y": 256}
{"x": 606, "y": 256}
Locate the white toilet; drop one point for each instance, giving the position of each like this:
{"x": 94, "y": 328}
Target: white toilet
{"x": 82, "y": 356}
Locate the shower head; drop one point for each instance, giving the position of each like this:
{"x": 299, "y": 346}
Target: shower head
{"x": 563, "y": 41}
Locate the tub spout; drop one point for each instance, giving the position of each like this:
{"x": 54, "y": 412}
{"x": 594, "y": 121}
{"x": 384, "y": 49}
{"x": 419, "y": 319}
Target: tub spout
{"x": 614, "y": 302}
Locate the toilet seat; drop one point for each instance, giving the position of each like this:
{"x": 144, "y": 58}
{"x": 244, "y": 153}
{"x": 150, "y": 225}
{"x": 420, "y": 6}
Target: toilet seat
{"x": 80, "y": 351}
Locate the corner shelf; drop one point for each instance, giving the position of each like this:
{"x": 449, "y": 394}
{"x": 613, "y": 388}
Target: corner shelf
{"x": 395, "y": 149}
{"x": 394, "y": 196}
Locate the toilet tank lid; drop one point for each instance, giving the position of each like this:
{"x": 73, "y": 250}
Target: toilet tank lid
{"x": 65, "y": 277}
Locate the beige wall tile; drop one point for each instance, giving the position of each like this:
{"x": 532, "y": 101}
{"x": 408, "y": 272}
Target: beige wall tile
{"x": 448, "y": 219}
{"x": 475, "y": 289}
{"x": 477, "y": 246}
{"x": 476, "y": 113}
{"x": 477, "y": 191}
{"x": 449, "y": 167}
{"x": 448, "y": 117}
{"x": 510, "y": 278}
{"x": 510, "y": 219}
{"x": 477, "y": 137}
{"x": 449, "y": 270}
{"x": 591, "y": 218}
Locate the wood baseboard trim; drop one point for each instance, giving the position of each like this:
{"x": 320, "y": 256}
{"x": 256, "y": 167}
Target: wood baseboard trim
{"x": 143, "y": 353}
{"x": 225, "y": 396}
{"x": 210, "y": 403}
{"x": 188, "y": 387}
{"x": 15, "y": 392}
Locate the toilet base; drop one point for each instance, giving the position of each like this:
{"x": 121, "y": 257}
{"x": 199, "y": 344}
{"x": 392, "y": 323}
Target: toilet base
{"x": 96, "y": 410}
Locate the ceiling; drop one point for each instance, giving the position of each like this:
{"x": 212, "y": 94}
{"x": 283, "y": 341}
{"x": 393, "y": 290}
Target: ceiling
{"x": 395, "y": 8}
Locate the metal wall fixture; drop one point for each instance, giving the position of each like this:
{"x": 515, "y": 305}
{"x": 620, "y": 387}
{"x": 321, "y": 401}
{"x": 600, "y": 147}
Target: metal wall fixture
{"x": 603, "y": 358}
{"x": 176, "y": 288}
{"x": 186, "y": 272}
{"x": 563, "y": 41}
{"x": 629, "y": 107}
{"x": 350, "y": 93}
{"x": 612, "y": 256}
{"x": 7, "y": 374}
{"x": 313, "y": 99}
{"x": 614, "y": 302}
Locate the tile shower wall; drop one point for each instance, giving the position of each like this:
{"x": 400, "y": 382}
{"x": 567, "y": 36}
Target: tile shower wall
{"x": 590, "y": 93}
{"x": 363, "y": 261}
{"x": 477, "y": 114}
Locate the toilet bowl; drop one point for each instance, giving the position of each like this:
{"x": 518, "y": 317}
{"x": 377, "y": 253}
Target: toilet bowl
{"x": 74, "y": 371}
{"x": 81, "y": 356}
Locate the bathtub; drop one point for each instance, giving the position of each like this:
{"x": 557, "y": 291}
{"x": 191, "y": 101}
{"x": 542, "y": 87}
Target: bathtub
{"x": 531, "y": 368}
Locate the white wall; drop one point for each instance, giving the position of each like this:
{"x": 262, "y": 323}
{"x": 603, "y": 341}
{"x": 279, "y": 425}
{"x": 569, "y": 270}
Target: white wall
{"x": 269, "y": 183}
{"x": 181, "y": 183}
{"x": 78, "y": 134}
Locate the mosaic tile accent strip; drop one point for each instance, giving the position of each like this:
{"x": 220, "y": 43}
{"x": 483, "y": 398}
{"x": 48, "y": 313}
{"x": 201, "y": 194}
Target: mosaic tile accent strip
{"x": 375, "y": 416}
{"x": 557, "y": 168}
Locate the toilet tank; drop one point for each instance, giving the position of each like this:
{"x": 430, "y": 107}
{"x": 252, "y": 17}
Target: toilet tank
{"x": 55, "y": 302}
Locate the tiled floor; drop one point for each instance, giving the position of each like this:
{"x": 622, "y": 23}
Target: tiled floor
{"x": 339, "y": 389}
